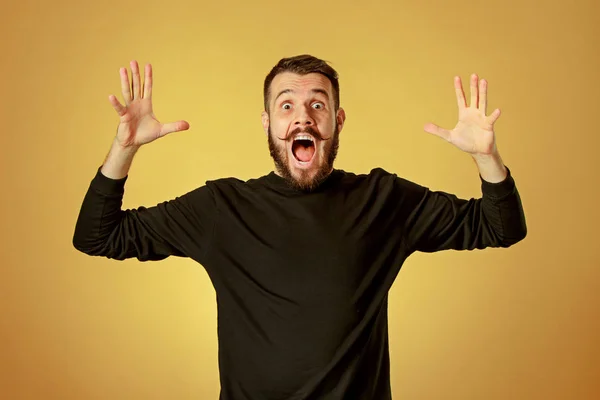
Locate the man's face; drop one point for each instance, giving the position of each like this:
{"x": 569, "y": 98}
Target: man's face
{"x": 302, "y": 128}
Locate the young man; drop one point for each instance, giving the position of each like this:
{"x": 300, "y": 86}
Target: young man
{"x": 302, "y": 258}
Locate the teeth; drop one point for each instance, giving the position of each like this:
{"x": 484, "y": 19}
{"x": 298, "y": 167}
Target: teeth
{"x": 304, "y": 137}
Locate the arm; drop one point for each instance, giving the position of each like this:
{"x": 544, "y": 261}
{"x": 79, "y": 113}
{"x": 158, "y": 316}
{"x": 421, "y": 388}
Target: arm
{"x": 180, "y": 227}
{"x": 438, "y": 220}
{"x": 441, "y": 221}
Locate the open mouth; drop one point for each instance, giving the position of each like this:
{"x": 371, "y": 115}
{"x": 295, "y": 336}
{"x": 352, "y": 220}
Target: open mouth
{"x": 303, "y": 148}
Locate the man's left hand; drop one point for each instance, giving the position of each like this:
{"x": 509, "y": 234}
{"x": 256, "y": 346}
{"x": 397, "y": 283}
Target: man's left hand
{"x": 474, "y": 132}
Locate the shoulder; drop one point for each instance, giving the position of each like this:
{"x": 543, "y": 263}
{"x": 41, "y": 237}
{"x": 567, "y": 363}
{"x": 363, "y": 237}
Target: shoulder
{"x": 233, "y": 185}
{"x": 384, "y": 184}
{"x": 376, "y": 176}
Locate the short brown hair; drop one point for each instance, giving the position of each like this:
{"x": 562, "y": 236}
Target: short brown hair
{"x": 303, "y": 64}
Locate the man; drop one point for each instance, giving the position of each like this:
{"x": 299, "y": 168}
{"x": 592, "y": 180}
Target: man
{"x": 302, "y": 258}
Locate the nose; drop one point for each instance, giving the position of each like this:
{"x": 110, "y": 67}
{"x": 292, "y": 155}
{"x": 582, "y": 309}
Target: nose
{"x": 303, "y": 116}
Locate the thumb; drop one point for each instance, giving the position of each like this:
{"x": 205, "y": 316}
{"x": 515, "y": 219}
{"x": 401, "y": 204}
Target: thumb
{"x": 436, "y": 130}
{"x": 174, "y": 127}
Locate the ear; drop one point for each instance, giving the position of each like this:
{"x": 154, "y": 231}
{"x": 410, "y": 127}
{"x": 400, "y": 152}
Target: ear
{"x": 341, "y": 118}
{"x": 265, "y": 122}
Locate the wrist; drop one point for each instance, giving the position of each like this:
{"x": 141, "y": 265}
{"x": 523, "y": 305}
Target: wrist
{"x": 124, "y": 149}
{"x": 118, "y": 161}
{"x": 491, "y": 167}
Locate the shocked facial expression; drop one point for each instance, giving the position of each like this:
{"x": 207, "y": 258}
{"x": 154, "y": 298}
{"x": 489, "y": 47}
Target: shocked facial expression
{"x": 302, "y": 128}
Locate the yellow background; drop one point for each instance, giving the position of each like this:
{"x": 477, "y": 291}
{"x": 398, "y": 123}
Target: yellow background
{"x": 517, "y": 323}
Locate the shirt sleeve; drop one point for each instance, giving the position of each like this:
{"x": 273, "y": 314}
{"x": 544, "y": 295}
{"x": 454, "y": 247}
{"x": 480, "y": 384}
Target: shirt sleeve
{"x": 438, "y": 220}
{"x": 179, "y": 227}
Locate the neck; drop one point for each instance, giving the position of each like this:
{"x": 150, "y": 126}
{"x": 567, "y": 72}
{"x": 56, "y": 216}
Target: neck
{"x": 278, "y": 173}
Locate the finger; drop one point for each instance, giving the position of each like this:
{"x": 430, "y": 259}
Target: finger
{"x": 148, "y": 82}
{"x": 125, "y": 89}
{"x": 494, "y": 116}
{"x": 483, "y": 96}
{"x": 116, "y": 105}
{"x": 460, "y": 94}
{"x": 173, "y": 127}
{"x": 436, "y": 130}
{"x": 135, "y": 75}
{"x": 474, "y": 91}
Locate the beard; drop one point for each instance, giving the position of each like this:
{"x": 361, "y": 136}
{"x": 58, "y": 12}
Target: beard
{"x": 306, "y": 181}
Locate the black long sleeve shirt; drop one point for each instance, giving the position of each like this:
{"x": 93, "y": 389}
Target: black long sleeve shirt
{"x": 301, "y": 279}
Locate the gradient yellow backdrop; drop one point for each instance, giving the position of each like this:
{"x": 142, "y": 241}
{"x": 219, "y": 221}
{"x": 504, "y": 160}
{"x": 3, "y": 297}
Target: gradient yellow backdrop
{"x": 517, "y": 323}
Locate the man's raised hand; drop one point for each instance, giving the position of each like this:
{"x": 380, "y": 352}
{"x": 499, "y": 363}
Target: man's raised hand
{"x": 138, "y": 125}
{"x": 474, "y": 132}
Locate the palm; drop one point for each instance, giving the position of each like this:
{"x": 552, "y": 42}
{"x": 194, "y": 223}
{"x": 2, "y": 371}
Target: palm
{"x": 474, "y": 132}
{"x": 139, "y": 125}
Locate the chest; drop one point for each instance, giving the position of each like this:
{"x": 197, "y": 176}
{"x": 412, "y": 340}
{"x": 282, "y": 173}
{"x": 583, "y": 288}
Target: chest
{"x": 298, "y": 250}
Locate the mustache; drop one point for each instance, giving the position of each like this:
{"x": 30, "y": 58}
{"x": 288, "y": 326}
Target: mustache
{"x": 308, "y": 130}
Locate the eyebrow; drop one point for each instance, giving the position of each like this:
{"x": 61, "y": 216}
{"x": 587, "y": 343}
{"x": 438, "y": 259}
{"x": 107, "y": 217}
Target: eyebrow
{"x": 322, "y": 91}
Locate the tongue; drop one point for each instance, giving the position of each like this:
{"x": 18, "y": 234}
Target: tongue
{"x": 305, "y": 153}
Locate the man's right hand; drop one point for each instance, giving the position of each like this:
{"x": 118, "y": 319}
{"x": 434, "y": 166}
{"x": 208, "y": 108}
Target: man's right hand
{"x": 138, "y": 125}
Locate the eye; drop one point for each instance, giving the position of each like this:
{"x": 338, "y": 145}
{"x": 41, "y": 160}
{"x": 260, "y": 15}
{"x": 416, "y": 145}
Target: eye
{"x": 318, "y": 106}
